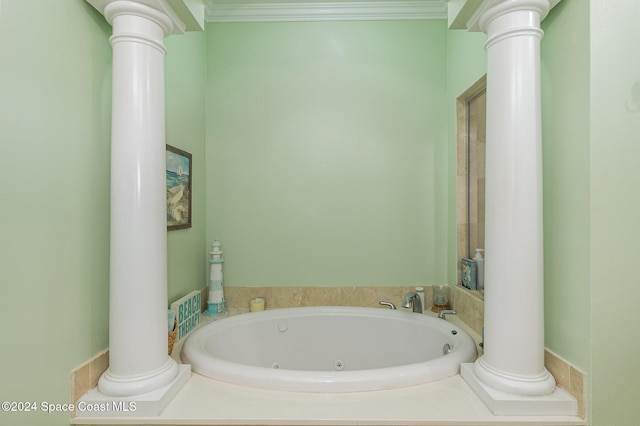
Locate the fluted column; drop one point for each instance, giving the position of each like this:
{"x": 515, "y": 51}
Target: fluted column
{"x": 513, "y": 360}
{"x": 138, "y": 360}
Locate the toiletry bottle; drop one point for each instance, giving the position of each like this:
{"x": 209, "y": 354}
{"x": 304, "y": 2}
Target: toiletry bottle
{"x": 479, "y": 268}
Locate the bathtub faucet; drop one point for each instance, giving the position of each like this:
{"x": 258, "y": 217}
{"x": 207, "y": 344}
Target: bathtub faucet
{"x": 389, "y": 304}
{"x": 412, "y": 300}
{"x": 443, "y": 314}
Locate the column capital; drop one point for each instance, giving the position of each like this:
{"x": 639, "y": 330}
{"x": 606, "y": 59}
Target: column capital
{"x": 490, "y": 10}
{"x": 161, "y": 12}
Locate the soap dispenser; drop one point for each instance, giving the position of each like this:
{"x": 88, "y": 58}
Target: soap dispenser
{"x": 479, "y": 268}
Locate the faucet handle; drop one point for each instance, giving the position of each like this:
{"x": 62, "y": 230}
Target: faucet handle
{"x": 442, "y": 314}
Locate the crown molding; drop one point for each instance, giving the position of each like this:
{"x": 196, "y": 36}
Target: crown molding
{"x": 292, "y": 10}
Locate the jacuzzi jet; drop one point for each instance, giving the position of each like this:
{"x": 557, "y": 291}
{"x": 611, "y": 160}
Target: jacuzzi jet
{"x": 275, "y": 365}
{"x": 339, "y": 365}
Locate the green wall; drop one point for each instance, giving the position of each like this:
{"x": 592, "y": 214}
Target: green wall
{"x": 565, "y": 112}
{"x": 55, "y": 114}
{"x": 55, "y": 109}
{"x": 591, "y": 123}
{"x": 614, "y": 123}
{"x": 185, "y": 77}
{"x": 326, "y": 152}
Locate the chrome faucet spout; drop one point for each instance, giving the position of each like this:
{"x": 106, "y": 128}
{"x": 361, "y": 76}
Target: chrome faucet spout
{"x": 443, "y": 314}
{"x": 406, "y": 302}
{"x": 389, "y": 304}
{"x": 412, "y": 300}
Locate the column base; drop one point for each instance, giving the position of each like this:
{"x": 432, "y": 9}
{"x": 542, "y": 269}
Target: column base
{"x": 96, "y": 404}
{"x": 118, "y": 386}
{"x": 542, "y": 384}
{"x": 558, "y": 402}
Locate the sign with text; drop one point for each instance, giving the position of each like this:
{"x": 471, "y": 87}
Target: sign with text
{"x": 187, "y": 311}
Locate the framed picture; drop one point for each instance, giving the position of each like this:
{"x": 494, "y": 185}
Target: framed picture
{"x": 178, "y": 177}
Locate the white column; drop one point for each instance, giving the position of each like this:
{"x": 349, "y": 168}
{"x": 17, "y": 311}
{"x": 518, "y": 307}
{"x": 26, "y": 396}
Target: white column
{"x": 513, "y": 359}
{"x": 138, "y": 360}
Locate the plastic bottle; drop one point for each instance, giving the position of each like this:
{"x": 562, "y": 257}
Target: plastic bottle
{"x": 479, "y": 268}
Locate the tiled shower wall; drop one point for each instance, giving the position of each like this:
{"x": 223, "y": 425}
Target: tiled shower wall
{"x": 470, "y": 170}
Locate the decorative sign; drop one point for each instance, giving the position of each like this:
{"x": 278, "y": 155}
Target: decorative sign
{"x": 187, "y": 311}
{"x": 469, "y": 274}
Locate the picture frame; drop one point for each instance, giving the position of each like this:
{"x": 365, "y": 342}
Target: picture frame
{"x": 179, "y": 196}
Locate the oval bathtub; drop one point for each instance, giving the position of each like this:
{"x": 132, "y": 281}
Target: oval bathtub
{"x": 328, "y": 349}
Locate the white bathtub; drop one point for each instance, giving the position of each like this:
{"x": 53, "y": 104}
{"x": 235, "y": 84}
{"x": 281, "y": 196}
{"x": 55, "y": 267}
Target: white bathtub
{"x": 328, "y": 349}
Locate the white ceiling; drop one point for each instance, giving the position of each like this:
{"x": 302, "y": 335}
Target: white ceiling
{"x": 322, "y": 10}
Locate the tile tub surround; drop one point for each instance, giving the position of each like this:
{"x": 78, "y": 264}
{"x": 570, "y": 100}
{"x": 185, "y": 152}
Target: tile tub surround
{"x": 568, "y": 377}
{"x": 470, "y": 307}
{"x": 85, "y": 376}
{"x": 286, "y": 297}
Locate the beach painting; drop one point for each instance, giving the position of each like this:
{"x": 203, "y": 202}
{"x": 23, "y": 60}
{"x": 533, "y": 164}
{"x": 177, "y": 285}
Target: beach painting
{"x": 178, "y": 189}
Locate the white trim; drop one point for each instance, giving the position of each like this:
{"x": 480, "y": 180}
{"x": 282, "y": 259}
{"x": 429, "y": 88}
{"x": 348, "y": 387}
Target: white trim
{"x": 291, "y": 10}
